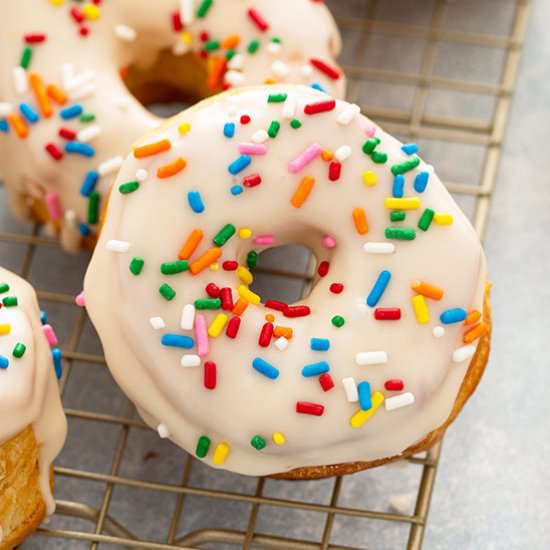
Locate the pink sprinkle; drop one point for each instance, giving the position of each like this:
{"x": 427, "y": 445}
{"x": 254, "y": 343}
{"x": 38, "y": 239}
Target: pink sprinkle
{"x": 49, "y": 333}
{"x": 370, "y": 130}
{"x": 302, "y": 160}
{"x": 328, "y": 241}
{"x": 252, "y": 148}
{"x": 80, "y": 300}
{"x": 201, "y": 335}
{"x": 54, "y": 207}
{"x": 265, "y": 239}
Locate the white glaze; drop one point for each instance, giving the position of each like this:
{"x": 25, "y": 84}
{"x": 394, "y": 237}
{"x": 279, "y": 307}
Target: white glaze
{"x": 88, "y": 69}
{"x": 155, "y": 220}
{"x": 29, "y": 393}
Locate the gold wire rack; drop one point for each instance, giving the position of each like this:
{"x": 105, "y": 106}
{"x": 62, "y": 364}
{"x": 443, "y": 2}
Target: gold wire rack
{"x": 402, "y": 65}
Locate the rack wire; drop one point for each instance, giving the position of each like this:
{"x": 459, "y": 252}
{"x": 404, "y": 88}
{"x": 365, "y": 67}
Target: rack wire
{"x": 402, "y": 66}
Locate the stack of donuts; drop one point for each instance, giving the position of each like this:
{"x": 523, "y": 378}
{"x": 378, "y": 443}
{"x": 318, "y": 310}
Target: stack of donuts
{"x": 370, "y": 367}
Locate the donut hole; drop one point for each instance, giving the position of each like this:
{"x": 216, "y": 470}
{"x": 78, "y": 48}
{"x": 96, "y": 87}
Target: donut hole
{"x": 284, "y": 273}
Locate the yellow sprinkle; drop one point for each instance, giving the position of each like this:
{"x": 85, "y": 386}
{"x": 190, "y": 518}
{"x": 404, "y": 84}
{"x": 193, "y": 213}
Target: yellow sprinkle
{"x": 421, "y": 309}
{"x": 244, "y": 275}
{"x": 91, "y": 12}
{"x": 245, "y": 232}
{"x": 5, "y": 329}
{"x": 278, "y": 438}
{"x": 221, "y": 453}
{"x": 369, "y": 178}
{"x": 248, "y": 295}
{"x": 216, "y": 326}
{"x": 410, "y": 203}
{"x": 215, "y": 266}
{"x": 443, "y": 219}
{"x": 57, "y": 2}
{"x": 184, "y": 127}
{"x": 186, "y": 37}
{"x": 360, "y": 417}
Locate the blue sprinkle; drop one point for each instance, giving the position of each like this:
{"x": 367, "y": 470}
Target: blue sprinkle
{"x": 177, "y": 341}
{"x": 315, "y": 369}
{"x": 409, "y": 148}
{"x": 4, "y": 362}
{"x": 71, "y": 112}
{"x": 89, "y": 183}
{"x": 365, "y": 400}
{"x": 265, "y": 368}
{"x": 421, "y": 182}
{"x": 195, "y": 201}
{"x": 4, "y": 127}
{"x": 317, "y": 86}
{"x": 451, "y": 316}
{"x": 236, "y": 190}
{"x": 398, "y": 186}
{"x": 84, "y": 229}
{"x": 29, "y": 113}
{"x": 56, "y": 355}
{"x": 320, "y": 344}
{"x": 229, "y": 129}
{"x": 238, "y": 165}
{"x": 378, "y": 288}
{"x": 43, "y": 317}
{"x": 77, "y": 148}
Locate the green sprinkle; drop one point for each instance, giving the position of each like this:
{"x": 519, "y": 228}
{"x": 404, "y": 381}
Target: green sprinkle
{"x": 171, "y": 268}
{"x": 253, "y": 46}
{"x": 19, "y": 350}
{"x": 212, "y": 45}
{"x": 400, "y": 233}
{"x": 136, "y": 265}
{"x": 258, "y": 442}
{"x": 93, "y": 207}
{"x": 203, "y": 444}
{"x": 4, "y": 287}
{"x": 295, "y": 123}
{"x": 167, "y": 292}
{"x": 87, "y": 117}
{"x": 404, "y": 167}
{"x": 205, "y": 5}
{"x": 224, "y": 234}
{"x": 274, "y": 128}
{"x": 426, "y": 219}
{"x": 208, "y": 303}
{"x": 370, "y": 145}
{"x": 10, "y": 301}
{"x": 230, "y": 54}
{"x": 338, "y": 321}
{"x": 128, "y": 187}
{"x": 26, "y": 57}
{"x": 276, "y": 98}
{"x": 252, "y": 259}
{"x": 378, "y": 157}
{"x": 277, "y": 40}
{"x": 398, "y": 215}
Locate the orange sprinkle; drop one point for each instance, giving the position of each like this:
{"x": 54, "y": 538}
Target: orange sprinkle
{"x": 303, "y": 191}
{"x": 270, "y": 317}
{"x": 270, "y": 81}
{"x": 18, "y": 125}
{"x": 209, "y": 257}
{"x": 152, "y": 149}
{"x": 57, "y": 94}
{"x": 190, "y": 245}
{"x": 123, "y": 72}
{"x": 327, "y": 155}
{"x": 240, "y": 306}
{"x": 172, "y": 168}
{"x": 479, "y": 330}
{"x": 230, "y": 42}
{"x": 360, "y": 221}
{"x": 420, "y": 287}
{"x": 216, "y": 70}
{"x": 40, "y": 93}
{"x": 473, "y": 317}
{"x": 282, "y": 331}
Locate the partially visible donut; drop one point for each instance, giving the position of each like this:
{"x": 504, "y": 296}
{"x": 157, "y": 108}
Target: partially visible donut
{"x": 66, "y": 114}
{"x": 370, "y": 366}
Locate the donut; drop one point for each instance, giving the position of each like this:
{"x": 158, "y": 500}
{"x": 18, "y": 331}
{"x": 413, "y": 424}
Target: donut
{"x": 33, "y": 426}
{"x": 74, "y": 78}
{"x": 372, "y": 365}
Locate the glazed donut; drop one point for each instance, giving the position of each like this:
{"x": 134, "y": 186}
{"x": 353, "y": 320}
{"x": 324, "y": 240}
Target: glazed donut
{"x": 66, "y": 114}
{"x": 33, "y": 426}
{"x": 365, "y": 367}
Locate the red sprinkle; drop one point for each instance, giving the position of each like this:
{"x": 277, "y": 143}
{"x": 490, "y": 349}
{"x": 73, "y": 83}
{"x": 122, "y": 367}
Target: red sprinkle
{"x": 326, "y": 381}
{"x": 84, "y": 31}
{"x": 387, "y": 313}
{"x": 204, "y": 36}
{"x": 76, "y": 14}
{"x": 233, "y": 327}
{"x": 258, "y": 20}
{"x": 245, "y": 119}
{"x": 274, "y": 304}
{"x": 296, "y": 311}
{"x": 34, "y": 38}
{"x": 210, "y": 375}
{"x": 394, "y": 385}
{"x": 331, "y": 72}
{"x": 320, "y": 107}
{"x": 336, "y": 288}
{"x": 230, "y": 265}
{"x": 227, "y": 298}
{"x": 304, "y": 407}
{"x": 54, "y": 151}
{"x": 334, "y": 171}
{"x": 177, "y": 23}
{"x": 213, "y": 290}
{"x": 67, "y": 133}
{"x": 265, "y": 335}
{"x": 323, "y": 268}
{"x": 252, "y": 180}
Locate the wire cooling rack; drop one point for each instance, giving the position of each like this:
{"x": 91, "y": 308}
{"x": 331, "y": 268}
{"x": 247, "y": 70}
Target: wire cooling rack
{"x": 438, "y": 72}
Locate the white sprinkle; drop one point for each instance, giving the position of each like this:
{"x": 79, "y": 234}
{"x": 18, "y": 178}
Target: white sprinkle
{"x": 379, "y": 248}
{"x": 342, "y": 153}
{"x": 398, "y": 401}
{"x": 67, "y": 73}
{"x": 236, "y": 63}
{"x": 70, "y": 216}
{"x": 281, "y": 343}
{"x": 280, "y": 69}
{"x": 306, "y": 70}
{"x": 187, "y": 317}
{"x": 371, "y": 357}
{"x": 125, "y": 33}
{"x": 20, "y": 80}
{"x": 87, "y": 134}
{"x": 438, "y": 331}
{"x": 142, "y": 174}
{"x": 274, "y": 48}
{"x": 463, "y": 353}
{"x": 5, "y": 108}
{"x": 190, "y": 360}
{"x": 110, "y": 166}
{"x": 118, "y": 246}
{"x": 348, "y": 114}
{"x": 74, "y": 82}
{"x": 180, "y": 48}
{"x": 289, "y": 106}
{"x": 234, "y": 78}
{"x": 350, "y": 387}
{"x": 163, "y": 431}
{"x": 157, "y": 323}
{"x": 261, "y": 136}
{"x": 186, "y": 11}
{"x": 83, "y": 93}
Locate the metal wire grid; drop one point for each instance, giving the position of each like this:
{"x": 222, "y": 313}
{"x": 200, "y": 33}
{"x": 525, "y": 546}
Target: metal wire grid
{"x": 413, "y": 123}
